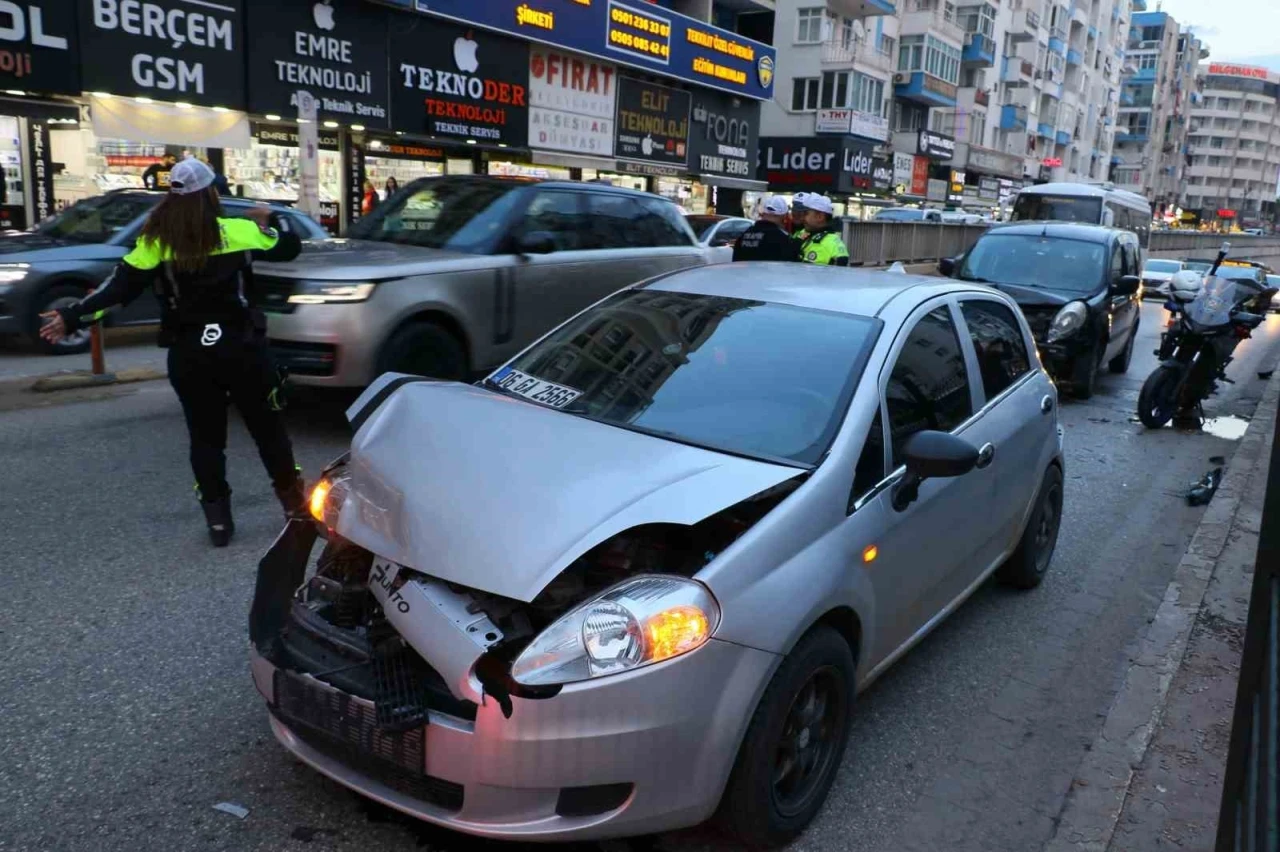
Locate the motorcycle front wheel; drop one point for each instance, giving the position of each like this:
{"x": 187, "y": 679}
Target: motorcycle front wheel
{"x": 1158, "y": 400}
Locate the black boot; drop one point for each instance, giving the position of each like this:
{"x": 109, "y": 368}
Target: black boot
{"x": 293, "y": 498}
{"x": 217, "y": 515}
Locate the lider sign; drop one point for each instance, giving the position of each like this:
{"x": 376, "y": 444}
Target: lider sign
{"x": 629, "y": 32}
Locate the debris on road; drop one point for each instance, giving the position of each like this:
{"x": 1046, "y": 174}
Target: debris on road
{"x": 1202, "y": 492}
{"x": 231, "y": 808}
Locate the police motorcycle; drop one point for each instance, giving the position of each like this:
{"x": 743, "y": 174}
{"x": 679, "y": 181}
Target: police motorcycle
{"x": 1209, "y": 316}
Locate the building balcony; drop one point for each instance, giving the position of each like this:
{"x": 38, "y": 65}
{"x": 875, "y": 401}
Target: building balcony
{"x": 1013, "y": 117}
{"x": 1074, "y": 57}
{"x": 1138, "y": 5}
{"x": 862, "y": 8}
{"x": 1124, "y": 135}
{"x": 1093, "y": 32}
{"x": 979, "y": 51}
{"x": 922, "y": 17}
{"x": 1025, "y": 26}
{"x": 924, "y": 89}
{"x": 1058, "y": 43}
{"x": 1144, "y": 75}
{"x": 1017, "y": 71}
{"x": 1044, "y": 130}
{"x": 1063, "y": 137}
{"x": 1080, "y": 15}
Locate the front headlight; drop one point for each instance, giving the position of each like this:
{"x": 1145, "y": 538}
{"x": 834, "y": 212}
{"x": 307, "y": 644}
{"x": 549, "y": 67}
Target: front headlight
{"x": 323, "y": 292}
{"x": 1068, "y": 321}
{"x": 636, "y": 623}
{"x": 12, "y": 273}
{"x": 329, "y": 494}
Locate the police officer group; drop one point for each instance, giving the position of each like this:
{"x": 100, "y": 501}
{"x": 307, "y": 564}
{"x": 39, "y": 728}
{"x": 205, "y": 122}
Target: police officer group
{"x": 815, "y": 238}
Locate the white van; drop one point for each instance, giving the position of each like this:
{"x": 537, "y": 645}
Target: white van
{"x": 1098, "y": 204}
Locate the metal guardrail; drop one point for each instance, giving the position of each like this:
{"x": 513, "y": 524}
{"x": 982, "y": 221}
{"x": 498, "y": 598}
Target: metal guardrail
{"x": 1247, "y": 818}
{"x": 882, "y": 243}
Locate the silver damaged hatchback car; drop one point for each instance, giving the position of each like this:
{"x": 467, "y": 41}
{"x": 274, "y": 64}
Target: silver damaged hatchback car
{"x": 635, "y": 577}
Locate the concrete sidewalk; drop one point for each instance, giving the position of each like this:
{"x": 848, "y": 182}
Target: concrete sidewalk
{"x": 1153, "y": 778}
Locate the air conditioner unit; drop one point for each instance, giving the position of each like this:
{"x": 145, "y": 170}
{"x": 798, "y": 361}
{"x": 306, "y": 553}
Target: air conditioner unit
{"x": 899, "y": 78}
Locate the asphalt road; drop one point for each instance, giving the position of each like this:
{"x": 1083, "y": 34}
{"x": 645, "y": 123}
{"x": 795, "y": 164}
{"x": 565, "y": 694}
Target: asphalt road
{"x": 128, "y": 712}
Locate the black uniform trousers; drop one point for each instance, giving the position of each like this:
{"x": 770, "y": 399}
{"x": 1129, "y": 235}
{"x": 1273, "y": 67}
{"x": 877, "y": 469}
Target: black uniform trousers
{"x": 235, "y": 368}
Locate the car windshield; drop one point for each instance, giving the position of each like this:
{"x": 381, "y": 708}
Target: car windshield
{"x": 1031, "y": 260}
{"x": 702, "y": 224}
{"x": 715, "y": 372}
{"x": 97, "y": 219}
{"x": 1062, "y": 208}
{"x": 465, "y": 215}
{"x": 1241, "y": 273}
{"x": 1162, "y": 266}
{"x": 899, "y": 215}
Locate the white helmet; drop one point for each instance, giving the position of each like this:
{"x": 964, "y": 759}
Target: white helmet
{"x": 1185, "y": 285}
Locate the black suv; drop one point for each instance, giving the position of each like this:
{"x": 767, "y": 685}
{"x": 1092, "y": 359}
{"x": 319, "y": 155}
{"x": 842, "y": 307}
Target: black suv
{"x": 1078, "y": 286}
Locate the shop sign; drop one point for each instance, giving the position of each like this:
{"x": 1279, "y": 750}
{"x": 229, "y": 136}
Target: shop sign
{"x": 635, "y": 33}
{"x": 652, "y": 123}
{"x": 41, "y": 168}
{"x": 308, "y": 155}
{"x": 994, "y": 162}
{"x": 655, "y": 169}
{"x": 902, "y": 165}
{"x": 988, "y": 188}
{"x": 939, "y": 146}
{"x": 881, "y": 174}
{"x": 1051, "y": 162}
{"x": 1227, "y": 70}
{"x": 858, "y": 166}
{"x": 833, "y": 121}
{"x": 353, "y": 168}
{"x": 38, "y": 49}
{"x": 937, "y": 190}
{"x": 400, "y": 150}
{"x": 724, "y": 135}
{"x": 458, "y": 82}
{"x": 1224, "y": 213}
{"x": 334, "y": 49}
{"x": 919, "y": 175}
{"x": 793, "y": 163}
{"x": 870, "y": 125}
{"x": 287, "y": 137}
{"x": 13, "y": 217}
{"x": 169, "y": 50}
{"x": 572, "y": 100}
{"x": 955, "y": 191}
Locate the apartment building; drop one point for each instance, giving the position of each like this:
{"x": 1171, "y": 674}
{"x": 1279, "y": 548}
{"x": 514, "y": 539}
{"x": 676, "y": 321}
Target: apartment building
{"x": 1158, "y": 85}
{"x": 970, "y": 98}
{"x": 1233, "y": 145}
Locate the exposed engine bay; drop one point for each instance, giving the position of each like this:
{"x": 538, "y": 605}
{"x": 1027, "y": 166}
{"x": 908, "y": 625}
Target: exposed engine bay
{"x": 337, "y": 628}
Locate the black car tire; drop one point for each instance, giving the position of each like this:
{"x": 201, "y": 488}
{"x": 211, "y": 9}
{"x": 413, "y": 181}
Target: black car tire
{"x": 1157, "y": 401}
{"x": 1084, "y": 375}
{"x": 57, "y": 295}
{"x": 1029, "y": 563}
{"x": 1120, "y": 363}
{"x": 751, "y": 809}
{"x": 425, "y": 349}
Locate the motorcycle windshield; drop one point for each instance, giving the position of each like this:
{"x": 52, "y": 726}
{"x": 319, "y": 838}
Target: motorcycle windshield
{"x": 1212, "y": 307}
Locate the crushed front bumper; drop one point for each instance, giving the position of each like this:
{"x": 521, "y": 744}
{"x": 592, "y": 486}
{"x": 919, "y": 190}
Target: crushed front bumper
{"x": 636, "y": 753}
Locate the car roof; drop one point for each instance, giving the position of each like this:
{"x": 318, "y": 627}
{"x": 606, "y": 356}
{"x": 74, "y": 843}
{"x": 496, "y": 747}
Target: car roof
{"x": 579, "y": 186}
{"x": 860, "y": 292}
{"x": 233, "y": 199}
{"x": 1062, "y": 230}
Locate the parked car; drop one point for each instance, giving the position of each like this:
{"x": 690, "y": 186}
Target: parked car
{"x": 962, "y": 217}
{"x": 635, "y": 576}
{"x": 908, "y": 214}
{"x": 456, "y": 274}
{"x": 1274, "y": 281}
{"x": 718, "y": 233}
{"x": 1078, "y": 286}
{"x": 65, "y": 257}
{"x": 1156, "y": 274}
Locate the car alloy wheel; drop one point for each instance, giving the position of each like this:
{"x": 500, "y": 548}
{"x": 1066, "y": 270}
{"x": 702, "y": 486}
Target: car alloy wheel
{"x": 810, "y": 737}
{"x": 1046, "y": 538}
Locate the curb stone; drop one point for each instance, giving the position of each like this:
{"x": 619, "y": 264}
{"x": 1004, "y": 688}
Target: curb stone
{"x": 82, "y": 379}
{"x": 1093, "y": 805}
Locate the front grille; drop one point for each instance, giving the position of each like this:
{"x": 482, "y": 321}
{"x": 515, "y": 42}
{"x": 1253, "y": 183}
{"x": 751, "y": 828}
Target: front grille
{"x": 345, "y": 728}
{"x": 273, "y": 293}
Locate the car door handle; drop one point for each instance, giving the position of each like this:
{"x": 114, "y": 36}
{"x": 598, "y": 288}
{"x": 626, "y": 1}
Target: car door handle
{"x": 1046, "y": 404}
{"x": 985, "y": 455}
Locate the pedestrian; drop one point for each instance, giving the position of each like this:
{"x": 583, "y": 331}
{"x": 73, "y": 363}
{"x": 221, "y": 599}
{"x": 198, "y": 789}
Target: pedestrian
{"x": 822, "y": 244}
{"x": 370, "y": 200}
{"x": 766, "y": 239}
{"x": 198, "y": 262}
{"x": 157, "y": 174}
{"x": 795, "y": 220}
{"x": 392, "y": 186}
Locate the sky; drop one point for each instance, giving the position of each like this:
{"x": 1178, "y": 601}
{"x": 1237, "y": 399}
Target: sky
{"x": 1243, "y": 31}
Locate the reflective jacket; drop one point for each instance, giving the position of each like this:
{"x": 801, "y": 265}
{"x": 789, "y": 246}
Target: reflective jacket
{"x": 824, "y": 248}
{"x": 221, "y": 291}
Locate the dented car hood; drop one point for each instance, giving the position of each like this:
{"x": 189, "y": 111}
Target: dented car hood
{"x": 501, "y": 495}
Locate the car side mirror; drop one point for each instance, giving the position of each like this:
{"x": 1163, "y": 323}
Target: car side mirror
{"x": 932, "y": 455}
{"x": 947, "y": 267}
{"x": 536, "y": 242}
{"x": 1126, "y": 285}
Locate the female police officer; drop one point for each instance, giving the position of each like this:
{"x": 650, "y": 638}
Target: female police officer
{"x": 199, "y": 263}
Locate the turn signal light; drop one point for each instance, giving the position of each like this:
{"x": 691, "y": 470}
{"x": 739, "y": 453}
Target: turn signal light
{"x": 674, "y": 631}
{"x": 870, "y": 553}
{"x": 319, "y": 495}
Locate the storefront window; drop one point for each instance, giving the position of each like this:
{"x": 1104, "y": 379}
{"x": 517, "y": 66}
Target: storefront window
{"x": 693, "y": 197}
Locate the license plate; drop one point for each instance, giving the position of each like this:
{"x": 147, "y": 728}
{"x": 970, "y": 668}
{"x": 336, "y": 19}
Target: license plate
{"x": 535, "y": 389}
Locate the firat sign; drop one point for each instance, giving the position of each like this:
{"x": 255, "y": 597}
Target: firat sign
{"x": 1238, "y": 70}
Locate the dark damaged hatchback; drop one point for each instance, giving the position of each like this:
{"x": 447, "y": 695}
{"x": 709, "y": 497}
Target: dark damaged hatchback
{"x": 1078, "y": 285}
